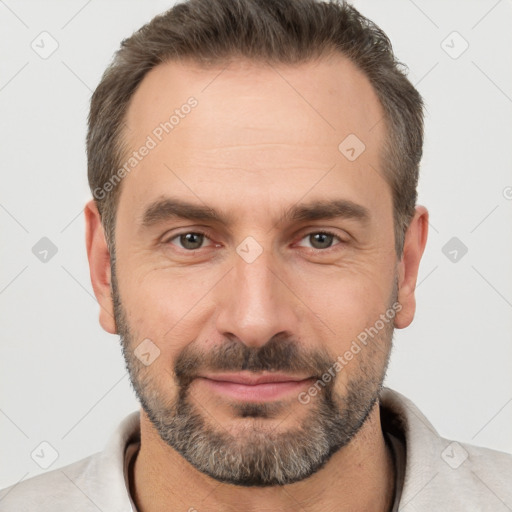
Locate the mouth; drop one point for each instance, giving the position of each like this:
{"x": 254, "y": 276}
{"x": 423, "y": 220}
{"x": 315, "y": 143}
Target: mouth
{"x": 250, "y": 387}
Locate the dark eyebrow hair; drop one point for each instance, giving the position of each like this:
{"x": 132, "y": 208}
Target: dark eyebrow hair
{"x": 329, "y": 209}
{"x": 168, "y": 208}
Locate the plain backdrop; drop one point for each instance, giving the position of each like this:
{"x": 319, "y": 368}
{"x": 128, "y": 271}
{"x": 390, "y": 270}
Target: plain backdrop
{"x": 62, "y": 377}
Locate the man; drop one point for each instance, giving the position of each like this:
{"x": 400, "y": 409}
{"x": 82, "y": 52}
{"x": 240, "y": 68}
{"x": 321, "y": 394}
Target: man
{"x": 254, "y": 239}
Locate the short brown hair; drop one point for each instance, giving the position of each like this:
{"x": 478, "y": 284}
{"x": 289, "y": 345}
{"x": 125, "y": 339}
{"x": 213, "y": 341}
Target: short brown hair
{"x": 273, "y": 31}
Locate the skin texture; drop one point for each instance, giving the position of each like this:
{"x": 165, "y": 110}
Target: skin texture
{"x": 262, "y": 139}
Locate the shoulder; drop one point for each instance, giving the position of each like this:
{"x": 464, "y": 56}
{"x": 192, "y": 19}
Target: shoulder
{"x": 94, "y": 483}
{"x": 50, "y": 491}
{"x": 482, "y": 475}
{"x": 442, "y": 474}
{"x": 460, "y": 477}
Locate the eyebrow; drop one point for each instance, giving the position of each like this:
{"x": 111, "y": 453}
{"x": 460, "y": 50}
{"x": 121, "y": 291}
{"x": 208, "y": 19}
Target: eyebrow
{"x": 170, "y": 208}
{"x": 329, "y": 209}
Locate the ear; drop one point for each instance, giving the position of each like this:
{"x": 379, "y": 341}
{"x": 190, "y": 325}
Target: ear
{"x": 414, "y": 245}
{"x": 99, "y": 265}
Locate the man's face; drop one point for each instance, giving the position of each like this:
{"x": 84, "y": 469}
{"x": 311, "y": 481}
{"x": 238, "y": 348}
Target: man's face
{"x": 296, "y": 262}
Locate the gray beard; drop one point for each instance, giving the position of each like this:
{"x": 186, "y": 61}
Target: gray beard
{"x": 261, "y": 457}
{"x": 258, "y": 456}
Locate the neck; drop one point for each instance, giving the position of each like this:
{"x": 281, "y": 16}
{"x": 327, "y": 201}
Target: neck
{"x": 359, "y": 477}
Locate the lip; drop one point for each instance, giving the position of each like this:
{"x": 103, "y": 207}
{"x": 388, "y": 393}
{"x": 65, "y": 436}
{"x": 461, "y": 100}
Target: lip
{"x": 247, "y": 386}
{"x": 250, "y": 379}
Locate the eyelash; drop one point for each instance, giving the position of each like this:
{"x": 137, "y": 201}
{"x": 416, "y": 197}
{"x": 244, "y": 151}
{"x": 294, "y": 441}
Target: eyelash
{"x": 323, "y": 232}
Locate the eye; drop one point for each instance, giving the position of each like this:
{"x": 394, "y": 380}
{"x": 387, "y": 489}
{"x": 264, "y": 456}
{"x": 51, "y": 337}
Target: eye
{"x": 319, "y": 240}
{"x": 189, "y": 241}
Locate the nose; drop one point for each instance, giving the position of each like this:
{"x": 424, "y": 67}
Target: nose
{"x": 256, "y": 304}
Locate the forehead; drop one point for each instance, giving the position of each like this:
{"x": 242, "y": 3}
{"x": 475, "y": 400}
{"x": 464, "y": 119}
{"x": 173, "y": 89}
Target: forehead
{"x": 272, "y": 124}
{"x": 329, "y": 94}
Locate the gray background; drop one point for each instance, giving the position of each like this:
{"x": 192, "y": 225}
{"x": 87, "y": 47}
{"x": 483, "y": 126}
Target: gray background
{"x": 62, "y": 377}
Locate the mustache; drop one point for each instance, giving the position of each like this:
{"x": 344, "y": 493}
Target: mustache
{"x": 280, "y": 353}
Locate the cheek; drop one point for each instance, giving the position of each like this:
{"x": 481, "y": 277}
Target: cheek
{"x": 168, "y": 308}
{"x": 346, "y": 302}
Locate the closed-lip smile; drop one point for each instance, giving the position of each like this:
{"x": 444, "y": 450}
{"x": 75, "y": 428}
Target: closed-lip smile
{"x": 251, "y": 387}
